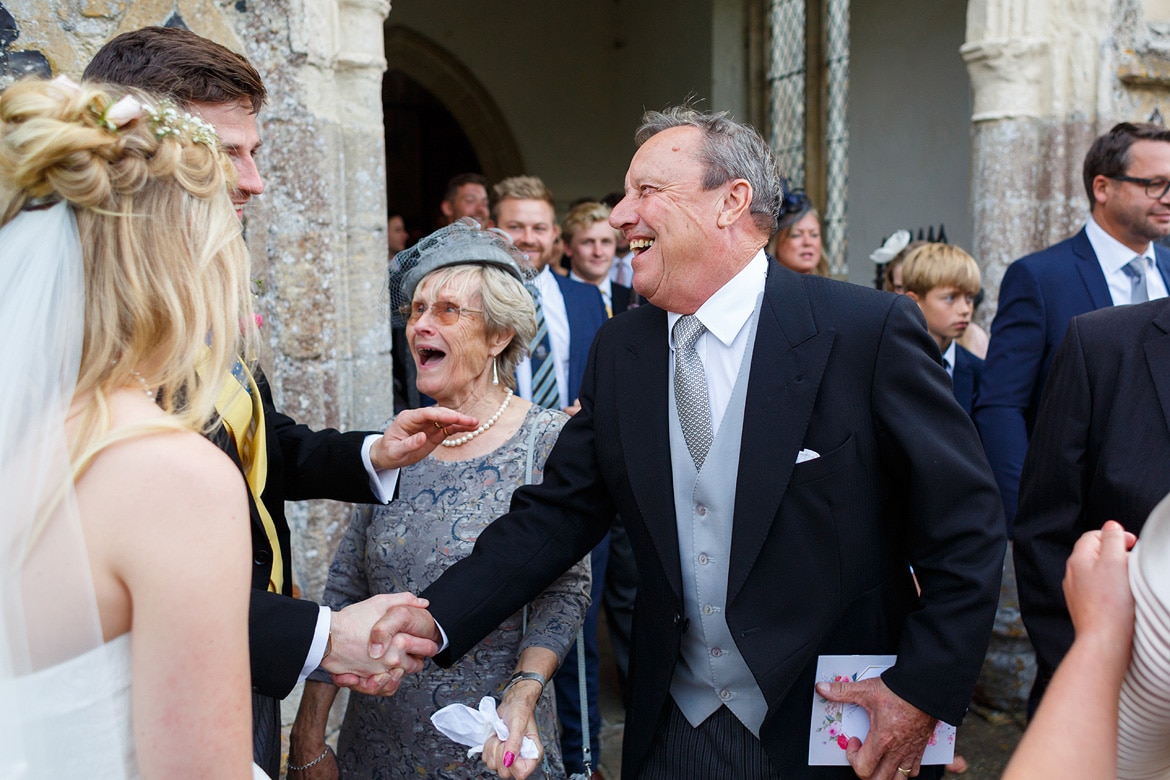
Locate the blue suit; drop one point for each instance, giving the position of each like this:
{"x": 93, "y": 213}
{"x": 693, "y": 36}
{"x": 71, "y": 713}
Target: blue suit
{"x": 586, "y": 312}
{"x": 1038, "y": 296}
{"x": 966, "y": 375}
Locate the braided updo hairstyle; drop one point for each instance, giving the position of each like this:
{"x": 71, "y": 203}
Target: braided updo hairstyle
{"x": 166, "y": 268}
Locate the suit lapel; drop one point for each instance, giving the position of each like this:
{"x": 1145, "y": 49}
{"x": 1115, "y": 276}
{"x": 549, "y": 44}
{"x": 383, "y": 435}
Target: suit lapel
{"x": 1090, "y": 271}
{"x": 1162, "y": 260}
{"x": 643, "y": 363}
{"x": 1157, "y": 350}
{"x": 787, "y": 364}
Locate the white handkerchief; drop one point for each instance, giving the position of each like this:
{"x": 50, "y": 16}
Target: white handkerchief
{"x": 804, "y": 455}
{"x": 472, "y": 727}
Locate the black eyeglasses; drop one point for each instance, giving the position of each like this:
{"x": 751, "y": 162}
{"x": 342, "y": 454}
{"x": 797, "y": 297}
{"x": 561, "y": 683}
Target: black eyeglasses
{"x": 1155, "y": 188}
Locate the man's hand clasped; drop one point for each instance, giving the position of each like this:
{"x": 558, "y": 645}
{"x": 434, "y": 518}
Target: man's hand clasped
{"x": 399, "y": 635}
{"x": 357, "y": 661}
{"x": 898, "y": 731}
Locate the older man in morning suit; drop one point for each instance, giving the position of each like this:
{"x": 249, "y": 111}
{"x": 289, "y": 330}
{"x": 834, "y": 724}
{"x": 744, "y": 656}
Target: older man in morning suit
{"x": 782, "y": 448}
{"x": 1125, "y": 176}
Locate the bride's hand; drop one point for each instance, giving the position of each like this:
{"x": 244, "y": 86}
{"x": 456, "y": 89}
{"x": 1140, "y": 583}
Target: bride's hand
{"x": 518, "y": 710}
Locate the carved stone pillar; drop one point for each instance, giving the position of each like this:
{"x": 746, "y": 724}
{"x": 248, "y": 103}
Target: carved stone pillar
{"x": 1038, "y": 72}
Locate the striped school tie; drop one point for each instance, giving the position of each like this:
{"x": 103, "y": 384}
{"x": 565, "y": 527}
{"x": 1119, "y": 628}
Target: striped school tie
{"x": 544, "y": 375}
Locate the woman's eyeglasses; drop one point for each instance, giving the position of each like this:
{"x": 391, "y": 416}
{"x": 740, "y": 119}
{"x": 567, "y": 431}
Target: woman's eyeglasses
{"x": 442, "y": 312}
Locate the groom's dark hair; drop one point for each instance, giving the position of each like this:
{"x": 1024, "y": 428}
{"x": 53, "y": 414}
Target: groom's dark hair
{"x": 179, "y": 64}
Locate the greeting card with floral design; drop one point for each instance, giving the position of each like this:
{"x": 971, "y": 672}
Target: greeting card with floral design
{"x": 833, "y": 723}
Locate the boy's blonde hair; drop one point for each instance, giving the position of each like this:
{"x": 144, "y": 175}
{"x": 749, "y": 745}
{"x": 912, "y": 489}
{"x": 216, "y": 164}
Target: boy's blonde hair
{"x": 940, "y": 265}
{"x": 582, "y": 217}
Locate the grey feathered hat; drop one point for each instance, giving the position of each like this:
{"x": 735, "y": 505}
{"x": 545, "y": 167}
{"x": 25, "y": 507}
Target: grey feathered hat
{"x": 463, "y": 242}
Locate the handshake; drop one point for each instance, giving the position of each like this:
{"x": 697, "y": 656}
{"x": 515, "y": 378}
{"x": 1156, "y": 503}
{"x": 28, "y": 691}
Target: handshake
{"x": 375, "y": 642}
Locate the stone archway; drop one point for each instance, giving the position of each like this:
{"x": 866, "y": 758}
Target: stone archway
{"x": 462, "y": 93}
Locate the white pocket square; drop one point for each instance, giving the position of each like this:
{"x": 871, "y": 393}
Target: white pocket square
{"x": 807, "y": 455}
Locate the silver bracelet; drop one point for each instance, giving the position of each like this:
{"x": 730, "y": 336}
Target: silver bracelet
{"x": 293, "y": 768}
{"x": 518, "y": 676}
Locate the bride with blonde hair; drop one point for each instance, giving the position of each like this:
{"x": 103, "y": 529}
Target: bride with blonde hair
{"x": 124, "y": 534}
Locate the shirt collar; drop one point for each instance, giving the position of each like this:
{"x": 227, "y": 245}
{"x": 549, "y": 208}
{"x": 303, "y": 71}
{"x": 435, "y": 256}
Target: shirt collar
{"x": 603, "y": 286}
{"x": 949, "y": 356}
{"x": 1111, "y": 253}
{"x": 725, "y": 313}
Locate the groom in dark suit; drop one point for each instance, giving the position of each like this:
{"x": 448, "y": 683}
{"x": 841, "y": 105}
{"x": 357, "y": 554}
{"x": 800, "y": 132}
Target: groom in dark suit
{"x": 1112, "y": 261}
{"x": 1100, "y": 451}
{"x": 782, "y": 449}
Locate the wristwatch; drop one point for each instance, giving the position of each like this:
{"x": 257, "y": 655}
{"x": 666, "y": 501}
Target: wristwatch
{"x": 518, "y": 676}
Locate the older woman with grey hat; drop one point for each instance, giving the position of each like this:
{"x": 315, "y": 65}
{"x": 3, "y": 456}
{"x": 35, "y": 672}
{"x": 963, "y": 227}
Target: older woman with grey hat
{"x": 469, "y": 320}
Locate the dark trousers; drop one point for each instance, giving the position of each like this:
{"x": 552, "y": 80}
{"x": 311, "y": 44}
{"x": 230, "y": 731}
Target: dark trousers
{"x": 566, "y": 681}
{"x": 266, "y": 733}
{"x": 719, "y": 747}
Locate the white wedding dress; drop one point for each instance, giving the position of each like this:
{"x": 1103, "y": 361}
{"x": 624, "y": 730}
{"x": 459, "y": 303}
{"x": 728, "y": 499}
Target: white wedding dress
{"x": 79, "y": 718}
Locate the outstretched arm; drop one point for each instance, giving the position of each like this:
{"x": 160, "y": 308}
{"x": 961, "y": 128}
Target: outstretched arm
{"x": 1074, "y": 733}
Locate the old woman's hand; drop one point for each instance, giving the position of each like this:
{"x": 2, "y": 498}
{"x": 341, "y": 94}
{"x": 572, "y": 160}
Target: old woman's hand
{"x": 518, "y": 710}
{"x": 415, "y": 433}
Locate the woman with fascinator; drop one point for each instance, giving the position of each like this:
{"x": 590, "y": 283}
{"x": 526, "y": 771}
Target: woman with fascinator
{"x": 468, "y": 322}
{"x": 124, "y": 565}
{"x": 797, "y": 244}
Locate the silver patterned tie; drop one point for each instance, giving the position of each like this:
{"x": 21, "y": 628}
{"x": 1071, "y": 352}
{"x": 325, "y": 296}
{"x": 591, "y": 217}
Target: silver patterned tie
{"x": 1136, "y": 271}
{"x": 690, "y": 389}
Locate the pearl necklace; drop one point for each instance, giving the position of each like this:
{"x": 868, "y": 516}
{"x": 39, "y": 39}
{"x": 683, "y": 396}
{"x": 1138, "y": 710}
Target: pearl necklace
{"x": 490, "y": 422}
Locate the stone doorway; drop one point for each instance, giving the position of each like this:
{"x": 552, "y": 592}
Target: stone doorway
{"x": 440, "y": 121}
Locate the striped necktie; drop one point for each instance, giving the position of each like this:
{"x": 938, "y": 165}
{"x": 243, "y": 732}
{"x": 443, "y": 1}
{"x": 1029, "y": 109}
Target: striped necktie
{"x": 544, "y": 374}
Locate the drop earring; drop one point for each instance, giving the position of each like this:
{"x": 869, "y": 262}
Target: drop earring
{"x": 495, "y": 372}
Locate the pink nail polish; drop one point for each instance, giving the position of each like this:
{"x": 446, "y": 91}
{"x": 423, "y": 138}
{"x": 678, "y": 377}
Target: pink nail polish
{"x": 509, "y": 758}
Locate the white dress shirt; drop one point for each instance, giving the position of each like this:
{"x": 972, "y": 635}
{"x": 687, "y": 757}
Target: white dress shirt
{"x": 556, "y": 317}
{"x": 725, "y": 315}
{"x": 622, "y": 270}
{"x": 1113, "y": 256}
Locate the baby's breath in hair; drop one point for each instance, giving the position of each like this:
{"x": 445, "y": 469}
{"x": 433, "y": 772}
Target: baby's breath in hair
{"x": 166, "y": 120}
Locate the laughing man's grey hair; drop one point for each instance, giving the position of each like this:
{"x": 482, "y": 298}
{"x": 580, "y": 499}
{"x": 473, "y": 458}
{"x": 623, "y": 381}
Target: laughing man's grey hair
{"x": 730, "y": 151}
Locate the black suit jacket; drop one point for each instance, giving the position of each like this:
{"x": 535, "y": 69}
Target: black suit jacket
{"x": 1038, "y": 296}
{"x": 820, "y": 551}
{"x": 302, "y": 464}
{"x": 1100, "y": 451}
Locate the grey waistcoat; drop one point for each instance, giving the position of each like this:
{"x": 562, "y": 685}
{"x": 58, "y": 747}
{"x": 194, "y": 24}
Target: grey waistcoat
{"x": 711, "y": 672}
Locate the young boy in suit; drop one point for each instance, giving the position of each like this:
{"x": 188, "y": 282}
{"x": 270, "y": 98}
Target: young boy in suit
{"x": 944, "y": 280}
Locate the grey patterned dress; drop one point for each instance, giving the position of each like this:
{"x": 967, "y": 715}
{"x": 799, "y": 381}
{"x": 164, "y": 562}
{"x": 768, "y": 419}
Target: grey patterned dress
{"x": 404, "y": 546}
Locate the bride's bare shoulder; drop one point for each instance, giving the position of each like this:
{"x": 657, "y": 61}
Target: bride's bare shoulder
{"x": 178, "y": 466}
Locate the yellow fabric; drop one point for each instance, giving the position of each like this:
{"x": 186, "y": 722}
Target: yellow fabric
{"x": 242, "y": 411}
{"x": 608, "y": 311}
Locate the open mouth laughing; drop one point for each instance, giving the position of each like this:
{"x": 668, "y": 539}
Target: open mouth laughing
{"x": 429, "y": 357}
{"x": 640, "y": 245}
